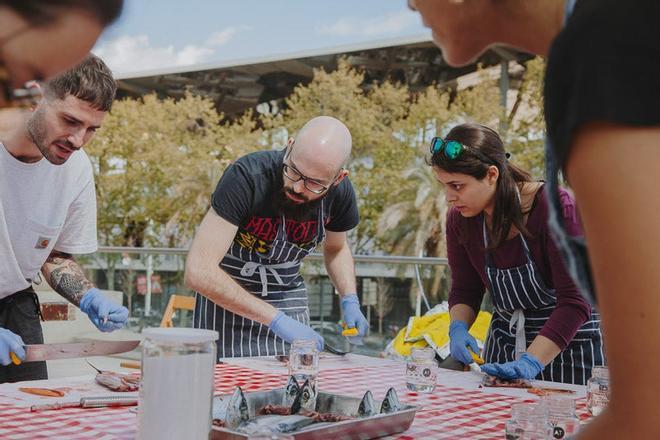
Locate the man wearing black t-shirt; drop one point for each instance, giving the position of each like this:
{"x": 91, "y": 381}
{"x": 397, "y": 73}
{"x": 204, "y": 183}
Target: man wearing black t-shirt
{"x": 269, "y": 210}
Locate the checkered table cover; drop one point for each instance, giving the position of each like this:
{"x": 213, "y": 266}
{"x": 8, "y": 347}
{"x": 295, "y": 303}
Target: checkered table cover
{"x": 447, "y": 413}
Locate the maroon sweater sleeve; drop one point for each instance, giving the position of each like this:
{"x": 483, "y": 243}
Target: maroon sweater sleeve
{"x": 467, "y": 286}
{"x": 572, "y": 310}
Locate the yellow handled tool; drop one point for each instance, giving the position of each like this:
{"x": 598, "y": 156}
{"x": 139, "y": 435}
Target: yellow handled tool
{"x": 14, "y": 358}
{"x": 349, "y": 331}
{"x": 476, "y": 357}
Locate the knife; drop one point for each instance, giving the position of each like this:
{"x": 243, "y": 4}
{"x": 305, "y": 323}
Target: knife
{"x": 43, "y": 352}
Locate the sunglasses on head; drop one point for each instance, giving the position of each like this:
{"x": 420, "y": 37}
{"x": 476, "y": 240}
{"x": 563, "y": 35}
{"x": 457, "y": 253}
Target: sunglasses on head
{"x": 453, "y": 149}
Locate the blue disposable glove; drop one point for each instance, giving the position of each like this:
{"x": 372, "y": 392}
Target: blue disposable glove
{"x": 353, "y": 318}
{"x": 106, "y": 315}
{"x": 10, "y": 342}
{"x": 459, "y": 341}
{"x": 289, "y": 329}
{"x": 527, "y": 367}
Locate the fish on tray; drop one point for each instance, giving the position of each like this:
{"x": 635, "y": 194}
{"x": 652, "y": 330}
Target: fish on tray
{"x": 291, "y": 391}
{"x": 367, "y": 407}
{"x": 390, "y": 402}
{"x": 237, "y": 410}
{"x": 283, "y": 418}
{"x": 306, "y": 398}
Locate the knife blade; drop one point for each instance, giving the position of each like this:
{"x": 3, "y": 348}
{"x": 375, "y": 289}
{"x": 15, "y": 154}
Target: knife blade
{"x": 44, "y": 352}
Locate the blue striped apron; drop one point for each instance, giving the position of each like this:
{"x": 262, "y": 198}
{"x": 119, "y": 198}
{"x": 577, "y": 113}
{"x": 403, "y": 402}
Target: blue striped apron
{"x": 273, "y": 276}
{"x": 522, "y": 305}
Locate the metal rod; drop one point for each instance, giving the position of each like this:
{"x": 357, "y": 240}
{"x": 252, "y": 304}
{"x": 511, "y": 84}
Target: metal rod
{"x": 385, "y": 259}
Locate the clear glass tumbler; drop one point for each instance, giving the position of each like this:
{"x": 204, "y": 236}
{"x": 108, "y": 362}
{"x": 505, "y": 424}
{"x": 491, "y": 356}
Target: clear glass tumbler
{"x": 422, "y": 370}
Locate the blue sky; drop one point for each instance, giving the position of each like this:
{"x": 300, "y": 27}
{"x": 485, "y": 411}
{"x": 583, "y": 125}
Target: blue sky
{"x": 171, "y": 33}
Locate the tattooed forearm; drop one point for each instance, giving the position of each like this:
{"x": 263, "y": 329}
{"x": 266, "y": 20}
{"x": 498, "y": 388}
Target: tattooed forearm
{"x": 66, "y": 277}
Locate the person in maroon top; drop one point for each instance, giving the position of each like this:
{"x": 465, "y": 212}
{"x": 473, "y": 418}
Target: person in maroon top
{"x": 498, "y": 239}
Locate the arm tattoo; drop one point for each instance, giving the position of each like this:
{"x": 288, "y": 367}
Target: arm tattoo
{"x": 66, "y": 277}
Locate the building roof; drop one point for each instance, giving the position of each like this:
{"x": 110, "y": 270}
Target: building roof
{"x": 238, "y": 85}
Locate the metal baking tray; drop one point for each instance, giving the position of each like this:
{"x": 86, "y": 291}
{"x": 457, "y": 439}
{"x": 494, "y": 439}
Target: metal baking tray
{"x": 365, "y": 428}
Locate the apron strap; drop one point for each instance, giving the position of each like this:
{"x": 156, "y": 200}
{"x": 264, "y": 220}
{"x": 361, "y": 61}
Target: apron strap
{"x": 518, "y": 320}
{"x": 250, "y": 267}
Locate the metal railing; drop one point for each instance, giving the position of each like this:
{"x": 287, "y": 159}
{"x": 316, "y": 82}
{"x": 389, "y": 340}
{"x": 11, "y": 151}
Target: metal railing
{"x": 359, "y": 258}
{"x": 160, "y": 259}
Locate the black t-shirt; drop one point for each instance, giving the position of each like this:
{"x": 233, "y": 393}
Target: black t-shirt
{"x": 603, "y": 66}
{"x": 246, "y": 193}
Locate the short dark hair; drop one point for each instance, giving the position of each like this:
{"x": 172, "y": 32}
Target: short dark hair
{"x": 44, "y": 12}
{"x": 90, "y": 81}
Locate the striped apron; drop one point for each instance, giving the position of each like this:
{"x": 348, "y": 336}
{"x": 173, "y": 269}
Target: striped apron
{"x": 273, "y": 276}
{"x": 522, "y": 305}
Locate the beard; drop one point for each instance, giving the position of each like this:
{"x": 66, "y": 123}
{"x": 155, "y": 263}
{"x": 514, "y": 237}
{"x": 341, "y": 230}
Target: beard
{"x": 296, "y": 211}
{"x": 36, "y": 130}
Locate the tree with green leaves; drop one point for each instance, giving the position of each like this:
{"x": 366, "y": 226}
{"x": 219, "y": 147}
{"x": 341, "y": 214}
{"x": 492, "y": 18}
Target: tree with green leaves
{"x": 156, "y": 163}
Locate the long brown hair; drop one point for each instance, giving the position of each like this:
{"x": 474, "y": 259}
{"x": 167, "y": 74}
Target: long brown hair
{"x": 507, "y": 210}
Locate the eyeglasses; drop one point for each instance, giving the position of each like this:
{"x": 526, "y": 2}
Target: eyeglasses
{"x": 312, "y": 185}
{"x": 453, "y": 149}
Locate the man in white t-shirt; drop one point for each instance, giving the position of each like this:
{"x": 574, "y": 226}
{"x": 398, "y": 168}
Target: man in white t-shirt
{"x": 48, "y": 211}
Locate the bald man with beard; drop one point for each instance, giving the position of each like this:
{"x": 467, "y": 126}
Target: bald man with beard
{"x": 270, "y": 210}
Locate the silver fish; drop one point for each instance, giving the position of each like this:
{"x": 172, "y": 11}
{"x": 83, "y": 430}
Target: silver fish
{"x": 390, "y": 402}
{"x": 237, "y": 410}
{"x": 290, "y": 392}
{"x": 272, "y": 424}
{"x": 367, "y": 406}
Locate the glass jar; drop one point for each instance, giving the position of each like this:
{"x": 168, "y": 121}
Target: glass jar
{"x": 529, "y": 421}
{"x": 561, "y": 414}
{"x": 176, "y": 389}
{"x": 304, "y": 361}
{"x": 421, "y": 370}
{"x": 598, "y": 390}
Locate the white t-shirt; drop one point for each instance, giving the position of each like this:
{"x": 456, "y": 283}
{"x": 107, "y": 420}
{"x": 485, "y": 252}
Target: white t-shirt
{"x": 43, "y": 207}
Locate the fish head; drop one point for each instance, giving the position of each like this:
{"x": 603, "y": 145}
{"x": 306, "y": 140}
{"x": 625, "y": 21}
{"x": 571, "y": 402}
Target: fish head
{"x": 237, "y": 409}
{"x": 390, "y": 402}
{"x": 291, "y": 391}
{"x": 308, "y": 394}
{"x": 367, "y": 405}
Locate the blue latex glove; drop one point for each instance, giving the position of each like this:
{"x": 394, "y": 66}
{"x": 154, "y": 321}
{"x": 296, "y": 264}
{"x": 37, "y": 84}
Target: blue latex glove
{"x": 10, "y": 342}
{"x": 527, "y": 367}
{"x": 353, "y": 318}
{"x": 106, "y": 315}
{"x": 289, "y": 329}
{"x": 459, "y": 341}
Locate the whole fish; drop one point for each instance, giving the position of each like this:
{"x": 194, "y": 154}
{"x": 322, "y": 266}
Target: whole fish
{"x": 390, "y": 402}
{"x": 237, "y": 410}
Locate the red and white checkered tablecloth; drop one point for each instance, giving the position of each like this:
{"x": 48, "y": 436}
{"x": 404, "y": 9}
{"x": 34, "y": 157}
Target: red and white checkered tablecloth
{"x": 447, "y": 413}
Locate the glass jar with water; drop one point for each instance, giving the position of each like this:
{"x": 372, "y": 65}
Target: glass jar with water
{"x": 561, "y": 414}
{"x": 304, "y": 361}
{"x": 421, "y": 370}
{"x": 176, "y": 389}
{"x": 598, "y": 390}
{"x": 529, "y": 421}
